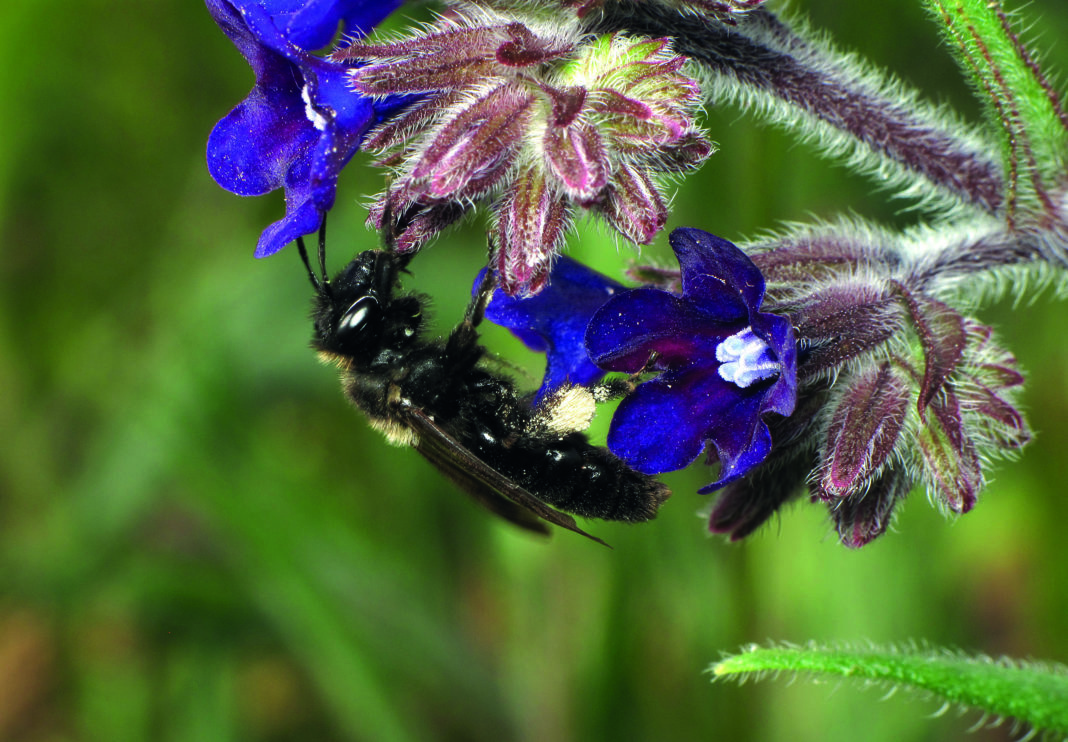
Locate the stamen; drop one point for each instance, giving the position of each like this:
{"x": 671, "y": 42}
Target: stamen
{"x": 746, "y": 359}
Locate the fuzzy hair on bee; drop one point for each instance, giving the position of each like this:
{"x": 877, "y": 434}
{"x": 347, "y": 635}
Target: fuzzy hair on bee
{"x": 526, "y": 464}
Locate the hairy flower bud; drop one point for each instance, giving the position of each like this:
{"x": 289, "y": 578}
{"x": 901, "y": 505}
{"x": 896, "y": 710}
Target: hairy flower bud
{"x": 864, "y": 429}
{"x": 726, "y": 11}
{"x": 592, "y": 121}
{"x": 951, "y": 466}
{"x": 865, "y": 515}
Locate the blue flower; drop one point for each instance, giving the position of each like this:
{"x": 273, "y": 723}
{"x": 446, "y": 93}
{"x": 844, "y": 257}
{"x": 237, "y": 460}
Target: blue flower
{"x": 301, "y": 123}
{"x": 554, "y": 320}
{"x": 723, "y": 363}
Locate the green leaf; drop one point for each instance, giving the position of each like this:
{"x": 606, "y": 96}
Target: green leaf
{"x": 1034, "y": 693}
{"x": 1031, "y": 121}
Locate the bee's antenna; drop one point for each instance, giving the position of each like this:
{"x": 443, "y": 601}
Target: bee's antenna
{"x": 315, "y": 282}
{"x": 322, "y": 256}
{"x": 320, "y": 283}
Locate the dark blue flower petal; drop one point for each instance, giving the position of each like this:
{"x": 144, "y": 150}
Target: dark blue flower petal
{"x": 664, "y": 423}
{"x": 633, "y": 324}
{"x": 554, "y": 320}
{"x": 716, "y": 276}
{"x": 739, "y": 453}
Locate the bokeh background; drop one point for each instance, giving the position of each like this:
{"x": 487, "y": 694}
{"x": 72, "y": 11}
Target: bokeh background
{"x": 199, "y": 540}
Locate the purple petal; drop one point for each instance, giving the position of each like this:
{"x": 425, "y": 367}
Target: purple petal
{"x": 253, "y": 147}
{"x": 554, "y": 320}
{"x": 738, "y": 452}
{"x": 716, "y": 275}
{"x": 663, "y": 425}
{"x": 312, "y": 24}
{"x": 298, "y": 126}
{"x": 633, "y": 324}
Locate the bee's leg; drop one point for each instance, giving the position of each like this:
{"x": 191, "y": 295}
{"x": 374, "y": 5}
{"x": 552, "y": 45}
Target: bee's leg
{"x": 613, "y": 388}
{"x": 618, "y": 388}
{"x": 462, "y": 347}
{"x": 476, "y": 310}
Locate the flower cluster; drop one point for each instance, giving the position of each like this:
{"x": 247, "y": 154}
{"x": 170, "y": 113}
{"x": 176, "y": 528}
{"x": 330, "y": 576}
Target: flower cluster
{"x": 832, "y": 359}
{"x": 539, "y": 112}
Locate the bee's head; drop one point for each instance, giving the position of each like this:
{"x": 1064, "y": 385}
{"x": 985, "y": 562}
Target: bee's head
{"x": 356, "y": 315}
{"x": 349, "y": 312}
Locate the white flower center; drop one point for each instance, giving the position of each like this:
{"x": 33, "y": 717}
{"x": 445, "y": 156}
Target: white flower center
{"x": 317, "y": 119}
{"x": 745, "y": 359}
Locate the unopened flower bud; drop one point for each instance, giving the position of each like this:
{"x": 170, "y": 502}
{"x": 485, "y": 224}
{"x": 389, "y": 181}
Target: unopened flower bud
{"x": 863, "y": 432}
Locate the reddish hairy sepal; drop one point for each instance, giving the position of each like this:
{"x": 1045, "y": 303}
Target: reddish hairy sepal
{"x": 862, "y": 517}
{"x": 444, "y": 46}
{"x": 805, "y": 257}
{"x": 531, "y": 221}
{"x": 525, "y": 49}
{"x": 633, "y": 205}
{"x": 576, "y": 156}
{"x": 414, "y": 76}
{"x": 841, "y": 321}
{"x": 685, "y": 154}
{"x": 476, "y": 142}
{"x": 417, "y": 224}
{"x": 396, "y": 131}
{"x": 949, "y": 456}
{"x": 942, "y": 333}
{"x": 863, "y": 431}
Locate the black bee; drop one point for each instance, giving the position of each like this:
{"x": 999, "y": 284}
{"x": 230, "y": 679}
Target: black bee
{"x": 520, "y": 462}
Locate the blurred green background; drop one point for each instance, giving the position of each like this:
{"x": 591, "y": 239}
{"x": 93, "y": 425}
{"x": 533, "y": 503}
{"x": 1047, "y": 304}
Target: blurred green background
{"x": 199, "y": 540}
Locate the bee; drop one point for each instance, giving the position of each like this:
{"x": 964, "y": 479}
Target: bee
{"x": 526, "y": 464}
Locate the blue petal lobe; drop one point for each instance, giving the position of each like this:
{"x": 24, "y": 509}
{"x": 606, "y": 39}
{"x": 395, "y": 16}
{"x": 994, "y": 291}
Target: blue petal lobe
{"x": 717, "y": 276}
{"x": 663, "y": 425}
{"x": 554, "y": 320}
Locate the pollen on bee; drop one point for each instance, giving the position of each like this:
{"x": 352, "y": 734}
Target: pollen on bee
{"x": 569, "y": 409}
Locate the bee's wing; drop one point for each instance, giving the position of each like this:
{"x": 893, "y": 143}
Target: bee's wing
{"x": 485, "y": 484}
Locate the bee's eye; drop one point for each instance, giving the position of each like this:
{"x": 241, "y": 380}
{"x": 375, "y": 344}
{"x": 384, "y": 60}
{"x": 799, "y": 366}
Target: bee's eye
{"x": 358, "y": 315}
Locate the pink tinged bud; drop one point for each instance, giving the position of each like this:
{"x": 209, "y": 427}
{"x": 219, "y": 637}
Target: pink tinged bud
{"x": 477, "y": 144}
{"x": 1002, "y": 424}
{"x": 451, "y": 45}
{"x": 567, "y": 103}
{"x": 576, "y": 156}
{"x": 531, "y": 221}
{"x": 633, "y": 205}
{"x": 685, "y": 155}
{"x": 863, "y": 432}
{"x": 582, "y": 7}
{"x": 610, "y": 102}
{"x": 863, "y": 516}
{"x": 942, "y": 334}
{"x": 629, "y": 118}
{"x": 949, "y": 456}
{"x": 398, "y": 129}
